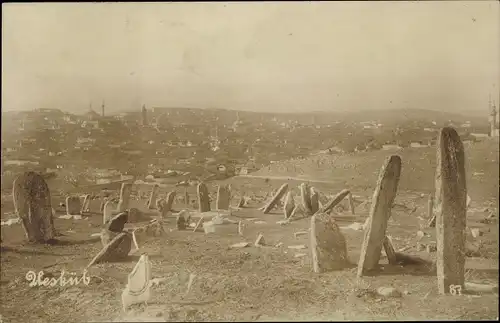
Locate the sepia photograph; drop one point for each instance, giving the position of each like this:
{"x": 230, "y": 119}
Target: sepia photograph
{"x": 250, "y": 161}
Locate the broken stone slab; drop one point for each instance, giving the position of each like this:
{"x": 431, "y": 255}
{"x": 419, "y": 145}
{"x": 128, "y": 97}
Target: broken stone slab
{"x": 32, "y": 204}
{"x": 260, "y": 240}
{"x": 336, "y": 200}
{"x": 198, "y": 224}
{"x": 223, "y": 197}
{"x": 451, "y": 209}
{"x": 299, "y": 255}
{"x": 389, "y": 251}
{"x": 328, "y": 244}
{"x": 354, "y": 226}
{"x": 283, "y": 222}
{"x": 277, "y": 197}
{"x": 117, "y": 223}
{"x": 382, "y": 201}
{"x": 203, "y": 198}
{"x": 138, "y": 289}
{"x": 117, "y": 249}
{"x": 289, "y": 205}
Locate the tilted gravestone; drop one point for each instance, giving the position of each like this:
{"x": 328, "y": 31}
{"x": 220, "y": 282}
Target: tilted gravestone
{"x": 382, "y": 201}
{"x": 334, "y": 201}
{"x": 113, "y": 227}
{"x": 276, "y": 198}
{"x": 451, "y": 209}
{"x": 124, "y": 201}
{"x": 31, "y": 197}
{"x": 116, "y": 249}
{"x": 289, "y": 205}
{"x": 305, "y": 195}
{"x": 223, "y": 197}
{"x": 203, "y": 198}
{"x": 152, "y": 197}
{"x": 73, "y": 205}
{"x": 328, "y": 244}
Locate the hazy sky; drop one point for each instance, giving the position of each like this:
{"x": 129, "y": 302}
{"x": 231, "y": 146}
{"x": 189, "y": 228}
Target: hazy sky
{"x": 251, "y": 56}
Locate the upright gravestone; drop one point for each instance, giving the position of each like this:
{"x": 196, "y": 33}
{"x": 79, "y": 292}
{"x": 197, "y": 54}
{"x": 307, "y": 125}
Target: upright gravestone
{"x": 170, "y": 201}
{"x": 222, "y": 198}
{"x": 152, "y": 197}
{"x": 73, "y": 205}
{"x": 351, "y": 203}
{"x": 125, "y": 192}
{"x": 276, "y": 198}
{"x": 305, "y": 196}
{"x": 451, "y": 209}
{"x": 289, "y": 205}
{"x": 186, "y": 198}
{"x": 314, "y": 200}
{"x": 203, "y": 198}
{"x": 382, "y": 201}
{"x": 107, "y": 212}
{"x": 31, "y": 197}
{"x": 328, "y": 244}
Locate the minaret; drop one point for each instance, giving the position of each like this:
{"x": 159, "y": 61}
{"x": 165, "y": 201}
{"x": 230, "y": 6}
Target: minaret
{"x": 493, "y": 117}
{"x": 102, "y": 107}
{"x": 144, "y": 115}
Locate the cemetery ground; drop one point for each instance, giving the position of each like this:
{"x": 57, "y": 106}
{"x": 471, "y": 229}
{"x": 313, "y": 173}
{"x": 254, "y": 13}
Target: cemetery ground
{"x": 270, "y": 282}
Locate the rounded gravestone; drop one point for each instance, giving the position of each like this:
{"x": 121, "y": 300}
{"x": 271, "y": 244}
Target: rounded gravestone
{"x": 31, "y": 197}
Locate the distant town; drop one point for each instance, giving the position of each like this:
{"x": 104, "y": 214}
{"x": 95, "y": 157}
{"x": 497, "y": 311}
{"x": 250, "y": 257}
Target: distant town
{"x": 182, "y": 145}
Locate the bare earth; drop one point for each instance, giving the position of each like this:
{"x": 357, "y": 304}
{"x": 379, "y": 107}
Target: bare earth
{"x": 264, "y": 283}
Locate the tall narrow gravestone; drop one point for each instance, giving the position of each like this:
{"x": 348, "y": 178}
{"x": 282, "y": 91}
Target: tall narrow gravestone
{"x": 450, "y": 208}
{"x": 314, "y": 200}
{"x": 380, "y": 212}
{"x": 152, "y": 197}
{"x": 305, "y": 195}
{"x": 73, "y": 205}
{"x": 31, "y": 197}
{"x": 222, "y": 198}
{"x": 169, "y": 201}
{"x": 124, "y": 197}
{"x": 203, "y": 198}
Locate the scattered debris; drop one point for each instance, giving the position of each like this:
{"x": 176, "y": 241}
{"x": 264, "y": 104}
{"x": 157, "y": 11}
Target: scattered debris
{"x": 299, "y": 233}
{"x": 388, "y": 292}
{"x": 300, "y": 246}
{"x": 239, "y": 245}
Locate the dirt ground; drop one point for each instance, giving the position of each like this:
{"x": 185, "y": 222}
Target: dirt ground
{"x": 268, "y": 283}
